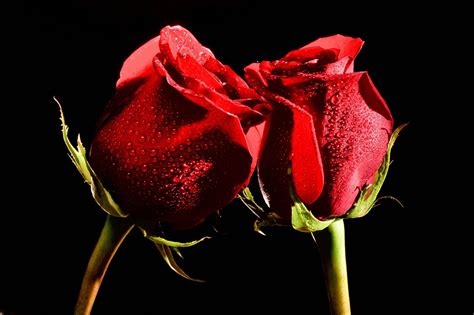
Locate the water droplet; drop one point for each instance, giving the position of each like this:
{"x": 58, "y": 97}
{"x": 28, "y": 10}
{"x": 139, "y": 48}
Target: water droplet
{"x": 163, "y": 157}
{"x": 132, "y": 152}
{"x": 142, "y": 151}
{"x": 144, "y": 168}
{"x": 188, "y": 141}
{"x": 142, "y": 139}
{"x": 153, "y": 141}
{"x": 130, "y": 131}
{"x": 334, "y": 98}
{"x": 155, "y": 160}
{"x": 152, "y": 152}
{"x": 154, "y": 171}
{"x": 129, "y": 145}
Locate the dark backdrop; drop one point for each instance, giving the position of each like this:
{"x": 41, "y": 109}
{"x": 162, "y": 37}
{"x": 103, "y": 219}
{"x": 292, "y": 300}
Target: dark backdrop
{"x": 74, "y": 49}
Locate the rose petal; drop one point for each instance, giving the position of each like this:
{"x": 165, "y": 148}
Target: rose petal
{"x": 254, "y": 139}
{"x": 307, "y": 167}
{"x": 353, "y": 135}
{"x": 140, "y": 63}
{"x": 340, "y": 46}
{"x": 176, "y": 38}
{"x": 190, "y": 68}
{"x": 304, "y": 54}
{"x": 347, "y": 46}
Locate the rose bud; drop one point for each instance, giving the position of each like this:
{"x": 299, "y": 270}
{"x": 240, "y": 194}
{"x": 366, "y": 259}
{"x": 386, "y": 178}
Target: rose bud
{"x": 328, "y": 125}
{"x": 171, "y": 146}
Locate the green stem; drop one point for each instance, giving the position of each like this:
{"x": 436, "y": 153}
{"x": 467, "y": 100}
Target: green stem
{"x": 113, "y": 233}
{"x": 333, "y": 256}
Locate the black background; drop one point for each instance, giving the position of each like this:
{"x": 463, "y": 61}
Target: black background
{"x": 400, "y": 260}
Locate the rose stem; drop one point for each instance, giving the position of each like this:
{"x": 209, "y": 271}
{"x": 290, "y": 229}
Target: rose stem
{"x": 333, "y": 256}
{"x": 113, "y": 233}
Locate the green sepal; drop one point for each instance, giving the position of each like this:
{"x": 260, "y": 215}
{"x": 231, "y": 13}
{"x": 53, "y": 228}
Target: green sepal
{"x": 271, "y": 219}
{"x": 368, "y": 195}
{"x": 79, "y": 158}
{"x": 174, "y": 244}
{"x": 265, "y": 219}
{"x": 167, "y": 254}
{"x": 167, "y": 247}
{"x": 248, "y": 200}
{"x": 302, "y": 219}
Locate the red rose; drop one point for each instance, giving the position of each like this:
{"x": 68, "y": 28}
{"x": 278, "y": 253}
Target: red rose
{"x": 328, "y": 124}
{"x": 171, "y": 145}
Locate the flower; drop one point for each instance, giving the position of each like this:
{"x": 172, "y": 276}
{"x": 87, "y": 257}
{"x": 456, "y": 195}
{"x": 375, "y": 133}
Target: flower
{"x": 171, "y": 146}
{"x": 329, "y": 125}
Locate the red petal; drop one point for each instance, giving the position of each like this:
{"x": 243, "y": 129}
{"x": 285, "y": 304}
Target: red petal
{"x": 353, "y": 135}
{"x": 275, "y": 160}
{"x": 343, "y": 46}
{"x": 140, "y": 63}
{"x": 174, "y": 39}
{"x": 190, "y": 68}
{"x": 347, "y": 46}
{"x": 302, "y": 54}
{"x": 254, "y": 139}
{"x": 307, "y": 167}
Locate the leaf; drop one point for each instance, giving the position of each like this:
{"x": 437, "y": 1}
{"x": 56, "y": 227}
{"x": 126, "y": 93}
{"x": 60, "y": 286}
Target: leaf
{"x": 167, "y": 255}
{"x": 79, "y": 158}
{"x": 368, "y": 195}
{"x": 302, "y": 219}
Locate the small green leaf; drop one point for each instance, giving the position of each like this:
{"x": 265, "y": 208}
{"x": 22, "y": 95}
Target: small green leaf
{"x": 368, "y": 195}
{"x": 79, "y": 158}
{"x": 167, "y": 254}
{"x": 302, "y": 219}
